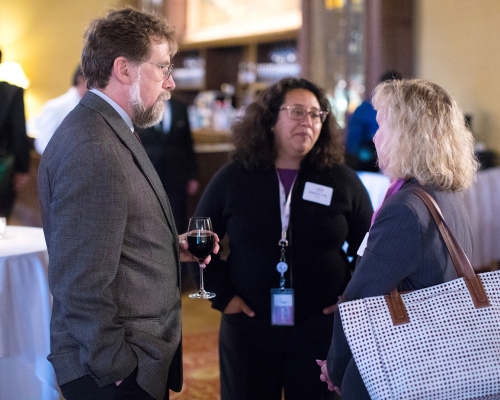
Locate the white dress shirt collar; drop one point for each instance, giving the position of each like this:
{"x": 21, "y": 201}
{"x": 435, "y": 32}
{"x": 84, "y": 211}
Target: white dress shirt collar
{"x": 118, "y": 109}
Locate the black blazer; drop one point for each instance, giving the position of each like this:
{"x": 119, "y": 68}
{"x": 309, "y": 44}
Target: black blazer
{"x": 172, "y": 153}
{"x": 13, "y": 137}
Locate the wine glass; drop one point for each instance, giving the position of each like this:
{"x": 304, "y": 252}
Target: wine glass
{"x": 201, "y": 243}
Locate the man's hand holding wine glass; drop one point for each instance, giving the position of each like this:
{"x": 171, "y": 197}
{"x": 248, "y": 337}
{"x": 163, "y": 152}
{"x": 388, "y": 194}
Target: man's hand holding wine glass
{"x": 186, "y": 256}
{"x": 201, "y": 241}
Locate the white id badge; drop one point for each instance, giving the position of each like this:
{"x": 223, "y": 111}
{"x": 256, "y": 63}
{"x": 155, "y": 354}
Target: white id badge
{"x": 282, "y": 307}
{"x": 317, "y": 193}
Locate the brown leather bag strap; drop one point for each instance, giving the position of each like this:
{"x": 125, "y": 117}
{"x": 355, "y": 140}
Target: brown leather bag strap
{"x": 460, "y": 261}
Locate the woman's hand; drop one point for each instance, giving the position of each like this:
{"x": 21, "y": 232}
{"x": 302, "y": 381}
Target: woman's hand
{"x": 324, "y": 377}
{"x": 330, "y": 310}
{"x": 237, "y": 305}
{"x": 333, "y": 308}
{"x": 186, "y": 256}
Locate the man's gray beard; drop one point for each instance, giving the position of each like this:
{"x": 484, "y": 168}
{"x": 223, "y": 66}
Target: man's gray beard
{"x": 145, "y": 117}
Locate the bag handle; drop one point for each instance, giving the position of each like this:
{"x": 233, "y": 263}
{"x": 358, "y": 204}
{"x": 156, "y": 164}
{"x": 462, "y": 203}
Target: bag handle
{"x": 460, "y": 261}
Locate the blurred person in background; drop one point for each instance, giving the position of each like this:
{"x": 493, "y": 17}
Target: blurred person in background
{"x": 54, "y": 111}
{"x": 422, "y": 142}
{"x": 169, "y": 145}
{"x": 14, "y": 146}
{"x": 360, "y": 150}
{"x": 287, "y": 205}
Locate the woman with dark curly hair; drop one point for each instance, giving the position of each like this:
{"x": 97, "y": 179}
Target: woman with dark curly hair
{"x": 287, "y": 204}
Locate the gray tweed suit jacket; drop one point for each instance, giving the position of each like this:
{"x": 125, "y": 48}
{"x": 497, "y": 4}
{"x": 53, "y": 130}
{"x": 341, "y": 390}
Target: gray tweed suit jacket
{"x": 114, "y": 268}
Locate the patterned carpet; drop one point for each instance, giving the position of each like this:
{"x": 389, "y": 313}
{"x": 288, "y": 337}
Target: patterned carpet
{"x": 200, "y": 351}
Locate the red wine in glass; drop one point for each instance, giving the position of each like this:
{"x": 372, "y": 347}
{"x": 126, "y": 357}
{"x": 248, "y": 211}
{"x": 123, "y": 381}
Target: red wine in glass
{"x": 201, "y": 243}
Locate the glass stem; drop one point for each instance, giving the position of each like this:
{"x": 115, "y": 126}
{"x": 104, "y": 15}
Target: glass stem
{"x": 202, "y": 285}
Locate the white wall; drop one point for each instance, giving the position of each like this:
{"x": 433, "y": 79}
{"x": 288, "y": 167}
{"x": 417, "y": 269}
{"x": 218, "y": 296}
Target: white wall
{"x": 46, "y": 38}
{"x": 458, "y": 47}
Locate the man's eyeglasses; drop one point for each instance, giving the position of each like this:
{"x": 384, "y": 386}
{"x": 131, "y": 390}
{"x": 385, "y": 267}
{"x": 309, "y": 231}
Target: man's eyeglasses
{"x": 298, "y": 113}
{"x": 166, "y": 69}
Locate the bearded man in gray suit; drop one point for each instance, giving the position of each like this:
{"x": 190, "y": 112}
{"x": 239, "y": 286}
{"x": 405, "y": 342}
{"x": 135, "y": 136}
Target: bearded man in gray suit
{"x": 113, "y": 247}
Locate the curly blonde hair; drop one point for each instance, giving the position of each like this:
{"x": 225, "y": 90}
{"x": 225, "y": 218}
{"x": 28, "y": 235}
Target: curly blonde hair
{"x": 426, "y": 137}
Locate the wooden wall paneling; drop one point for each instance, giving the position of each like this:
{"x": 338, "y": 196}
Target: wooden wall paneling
{"x": 222, "y": 66}
{"x": 323, "y": 44}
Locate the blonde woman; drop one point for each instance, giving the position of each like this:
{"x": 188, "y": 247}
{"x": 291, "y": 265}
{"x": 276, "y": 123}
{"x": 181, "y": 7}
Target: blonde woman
{"x": 422, "y": 141}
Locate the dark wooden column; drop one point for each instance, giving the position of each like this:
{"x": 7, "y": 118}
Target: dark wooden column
{"x": 304, "y": 42}
{"x": 389, "y": 39}
{"x": 176, "y": 13}
{"x": 373, "y": 44}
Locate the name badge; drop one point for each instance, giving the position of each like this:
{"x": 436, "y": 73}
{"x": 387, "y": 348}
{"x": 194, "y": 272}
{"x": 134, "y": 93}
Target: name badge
{"x": 282, "y": 307}
{"x": 362, "y": 246}
{"x": 317, "y": 193}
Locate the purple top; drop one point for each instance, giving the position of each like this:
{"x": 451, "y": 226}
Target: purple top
{"x": 287, "y": 176}
{"x": 393, "y": 188}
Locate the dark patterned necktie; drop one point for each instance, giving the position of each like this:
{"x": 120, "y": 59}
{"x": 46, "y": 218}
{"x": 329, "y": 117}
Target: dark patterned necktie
{"x": 138, "y": 137}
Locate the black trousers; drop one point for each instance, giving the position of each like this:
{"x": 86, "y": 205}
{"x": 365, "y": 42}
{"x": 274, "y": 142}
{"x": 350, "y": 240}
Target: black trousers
{"x": 7, "y": 199}
{"x": 85, "y": 388}
{"x": 259, "y": 361}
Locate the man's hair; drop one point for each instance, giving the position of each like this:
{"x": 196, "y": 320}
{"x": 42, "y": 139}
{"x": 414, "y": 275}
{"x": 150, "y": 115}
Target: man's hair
{"x": 426, "y": 136}
{"x": 126, "y": 32}
{"x": 254, "y": 139}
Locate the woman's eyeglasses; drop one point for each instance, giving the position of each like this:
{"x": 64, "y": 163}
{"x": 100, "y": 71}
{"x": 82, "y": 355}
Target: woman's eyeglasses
{"x": 298, "y": 113}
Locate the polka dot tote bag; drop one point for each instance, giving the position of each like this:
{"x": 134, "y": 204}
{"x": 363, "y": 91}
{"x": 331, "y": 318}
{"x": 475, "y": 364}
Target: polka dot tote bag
{"x": 442, "y": 342}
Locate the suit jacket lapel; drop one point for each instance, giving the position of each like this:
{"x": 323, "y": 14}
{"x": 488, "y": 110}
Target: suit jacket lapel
{"x": 122, "y": 130}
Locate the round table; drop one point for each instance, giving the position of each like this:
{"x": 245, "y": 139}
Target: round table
{"x": 25, "y": 306}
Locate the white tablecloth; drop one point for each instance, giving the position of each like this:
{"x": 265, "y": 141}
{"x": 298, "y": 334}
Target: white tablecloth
{"x": 482, "y": 201}
{"x": 376, "y": 184}
{"x": 25, "y": 306}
